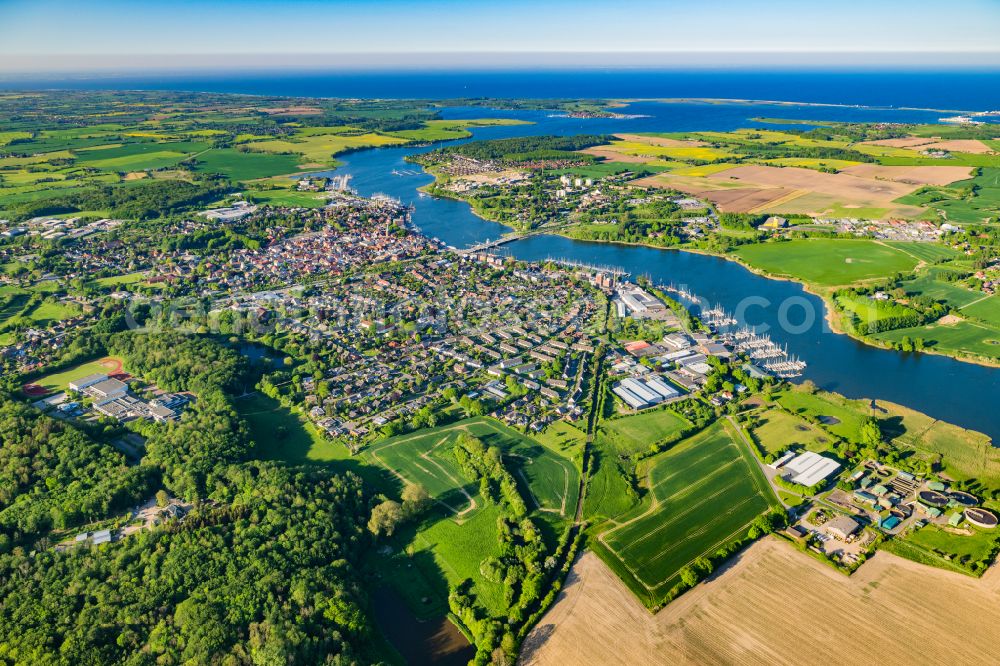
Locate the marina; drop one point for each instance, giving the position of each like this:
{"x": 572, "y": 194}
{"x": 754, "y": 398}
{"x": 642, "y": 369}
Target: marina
{"x": 835, "y": 362}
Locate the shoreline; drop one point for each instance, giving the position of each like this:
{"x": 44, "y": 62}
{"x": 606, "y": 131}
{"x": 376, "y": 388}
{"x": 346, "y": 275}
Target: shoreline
{"x": 829, "y": 314}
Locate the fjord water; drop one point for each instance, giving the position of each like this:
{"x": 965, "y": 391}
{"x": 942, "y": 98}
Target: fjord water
{"x": 962, "y": 393}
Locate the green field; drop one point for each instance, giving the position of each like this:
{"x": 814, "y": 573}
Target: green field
{"x": 117, "y": 280}
{"x": 957, "y": 203}
{"x": 827, "y": 262}
{"x": 967, "y": 454}
{"x": 320, "y": 148}
{"x": 632, "y": 434}
{"x": 239, "y": 165}
{"x": 965, "y": 338}
{"x": 564, "y": 438}
{"x": 607, "y": 488}
{"x": 46, "y": 314}
{"x": 439, "y": 556}
{"x": 446, "y": 130}
{"x": 929, "y": 252}
{"x": 778, "y": 430}
{"x": 939, "y": 290}
{"x": 938, "y": 547}
{"x": 840, "y": 416}
{"x": 58, "y": 381}
{"x": 704, "y": 493}
{"x": 279, "y": 434}
{"x": 549, "y": 481}
{"x": 287, "y": 197}
{"x": 450, "y": 544}
{"x": 987, "y": 309}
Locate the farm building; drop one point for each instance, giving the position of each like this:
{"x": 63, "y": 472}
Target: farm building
{"x": 808, "y": 469}
{"x": 843, "y": 527}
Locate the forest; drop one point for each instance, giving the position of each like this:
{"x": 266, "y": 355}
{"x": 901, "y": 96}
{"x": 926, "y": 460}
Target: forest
{"x": 265, "y": 568}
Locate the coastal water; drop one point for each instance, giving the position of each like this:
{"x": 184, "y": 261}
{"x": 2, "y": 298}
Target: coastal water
{"x": 955, "y": 391}
{"x": 950, "y": 88}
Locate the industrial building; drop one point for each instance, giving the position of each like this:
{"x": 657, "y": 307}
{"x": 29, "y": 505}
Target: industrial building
{"x": 808, "y": 469}
{"x": 645, "y": 392}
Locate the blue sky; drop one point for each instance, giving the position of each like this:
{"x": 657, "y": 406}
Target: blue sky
{"x": 49, "y": 32}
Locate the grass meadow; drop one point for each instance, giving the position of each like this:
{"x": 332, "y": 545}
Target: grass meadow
{"x": 827, "y": 262}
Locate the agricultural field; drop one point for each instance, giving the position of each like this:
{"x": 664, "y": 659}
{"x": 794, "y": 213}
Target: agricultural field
{"x": 634, "y": 434}
{"x": 704, "y": 492}
{"x": 827, "y": 262}
{"x": 958, "y": 203}
{"x": 239, "y": 166}
{"x": 319, "y": 149}
{"x": 767, "y": 171}
{"x": 766, "y": 606}
{"x": 952, "y": 336}
{"x": 159, "y": 136}
{"x": 927, "y": 252}
{"x": 446, "y": 130}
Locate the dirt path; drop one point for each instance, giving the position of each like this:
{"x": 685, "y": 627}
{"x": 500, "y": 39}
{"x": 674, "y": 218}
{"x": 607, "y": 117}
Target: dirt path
{"x": 775, "y": 605}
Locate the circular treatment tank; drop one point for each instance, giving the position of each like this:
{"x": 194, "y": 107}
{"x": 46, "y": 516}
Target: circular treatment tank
{"x": 965, "y": 499}
{"x": 981, "y": 518}
{"x": 933, "y": 498}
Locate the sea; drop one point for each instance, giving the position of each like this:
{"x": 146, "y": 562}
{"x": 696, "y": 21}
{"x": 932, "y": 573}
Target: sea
{"x": 968, "y": 89}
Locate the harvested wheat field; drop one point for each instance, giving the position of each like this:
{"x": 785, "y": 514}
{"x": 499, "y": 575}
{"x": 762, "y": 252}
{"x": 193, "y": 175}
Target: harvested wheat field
{"x": 935, "y": 143}
{"x": 847, "y": 188}
{"x": 775, "y": 605}
{"x": 913, "y": 175}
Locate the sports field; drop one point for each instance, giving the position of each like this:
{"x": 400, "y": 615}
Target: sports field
{"x": 58, "y": 381}
{"x": 704, "y": 493}
{"x": 426, "y": 458}
{"x": 827, "y": 262}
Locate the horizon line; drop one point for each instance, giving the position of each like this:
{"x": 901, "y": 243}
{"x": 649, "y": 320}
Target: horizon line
{"x": 77, "y": 64}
